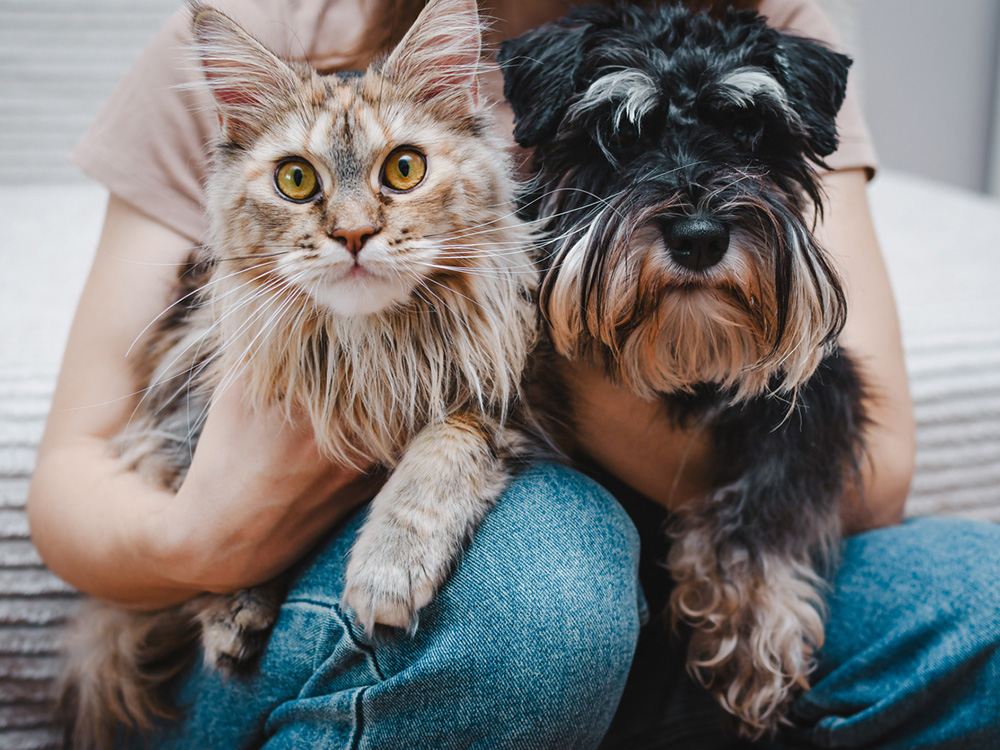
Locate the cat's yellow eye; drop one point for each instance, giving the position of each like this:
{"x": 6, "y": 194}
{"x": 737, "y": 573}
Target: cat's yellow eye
{"x": 296, "y": 180}
{"x": 404, "y": 169}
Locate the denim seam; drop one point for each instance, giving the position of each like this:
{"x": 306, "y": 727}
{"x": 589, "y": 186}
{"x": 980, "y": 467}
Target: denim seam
{"x": 334, "y": 609}
{"x": 358, "y": 642}
{"x": 326, "y": 604}
{"x": 359, "y": 720}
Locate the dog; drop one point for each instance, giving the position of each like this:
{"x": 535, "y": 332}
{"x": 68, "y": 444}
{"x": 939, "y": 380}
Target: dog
{"x": 675, "y": 171}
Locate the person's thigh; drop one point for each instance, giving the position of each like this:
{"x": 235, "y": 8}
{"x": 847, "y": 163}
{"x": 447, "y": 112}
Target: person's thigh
{"x": 912, "y": 653}
{"x": 527, "y": 645}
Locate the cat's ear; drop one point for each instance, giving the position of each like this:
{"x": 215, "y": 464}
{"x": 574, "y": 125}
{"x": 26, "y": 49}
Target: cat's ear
{"x": 438, "y": 59}
{"x": 246, "y": 79}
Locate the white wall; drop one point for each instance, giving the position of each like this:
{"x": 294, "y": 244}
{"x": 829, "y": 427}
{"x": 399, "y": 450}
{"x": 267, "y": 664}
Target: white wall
{"x": 929, "y": 81}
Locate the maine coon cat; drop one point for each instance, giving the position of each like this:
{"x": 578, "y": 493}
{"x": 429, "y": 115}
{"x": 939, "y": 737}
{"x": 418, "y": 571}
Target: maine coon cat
{"x": 364, "y": 266}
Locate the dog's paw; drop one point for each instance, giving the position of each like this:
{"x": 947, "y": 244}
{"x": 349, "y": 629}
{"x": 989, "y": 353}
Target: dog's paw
{"x": 235, "y": 628}
{"x": 753, "y": 637}
{"x": 389, "y": 581}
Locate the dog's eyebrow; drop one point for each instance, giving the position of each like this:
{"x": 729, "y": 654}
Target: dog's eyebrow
{"x": 746, "y": 84}
{"x": 635, "y": 92}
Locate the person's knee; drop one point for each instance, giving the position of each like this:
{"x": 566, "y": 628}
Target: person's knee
{"x": 940, "y": 568}
{"x": 542, "y": 611}
{"x": 564, "y": 631}
{"x": 556, "y": 556}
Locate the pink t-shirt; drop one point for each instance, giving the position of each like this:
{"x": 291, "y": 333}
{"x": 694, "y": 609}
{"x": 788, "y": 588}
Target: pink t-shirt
{"x": 150, "y": 143}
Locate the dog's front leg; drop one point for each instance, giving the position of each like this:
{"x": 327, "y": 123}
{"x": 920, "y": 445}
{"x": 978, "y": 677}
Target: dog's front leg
{"x": 745, "y": 558}
{"x": 754, "y": 615}
{"x": 419, "y": 522}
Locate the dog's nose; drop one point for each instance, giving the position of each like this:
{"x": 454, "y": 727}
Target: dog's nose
{"x": 697, "y": 242}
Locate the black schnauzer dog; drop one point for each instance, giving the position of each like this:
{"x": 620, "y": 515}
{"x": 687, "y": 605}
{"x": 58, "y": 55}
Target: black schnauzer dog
{"x": 675, "y": 173}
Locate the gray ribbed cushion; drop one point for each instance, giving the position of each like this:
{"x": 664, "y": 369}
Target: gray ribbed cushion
{"x": 943, "y": 250}
{"x": 49, "y": 237}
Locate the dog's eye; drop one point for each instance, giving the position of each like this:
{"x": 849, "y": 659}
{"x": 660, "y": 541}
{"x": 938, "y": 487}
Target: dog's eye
{"x": 622, "y": 137}
{"x": 626, "y": 132}
{"x": 746, "y": 132}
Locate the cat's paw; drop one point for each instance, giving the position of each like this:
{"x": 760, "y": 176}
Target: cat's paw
{"x": 388, "y": 584}
{"x": 235, "y": 628}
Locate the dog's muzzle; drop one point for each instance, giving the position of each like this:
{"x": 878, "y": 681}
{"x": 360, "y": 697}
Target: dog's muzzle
{"x": 696, "y": 242}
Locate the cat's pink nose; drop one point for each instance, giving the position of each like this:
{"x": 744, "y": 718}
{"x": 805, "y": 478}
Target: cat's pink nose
{"x": 353, "y": 240}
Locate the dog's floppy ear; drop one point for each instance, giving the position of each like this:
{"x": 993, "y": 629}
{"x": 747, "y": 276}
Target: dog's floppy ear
{"x": 816, "y": 80}
{"x": 539, "y": 76}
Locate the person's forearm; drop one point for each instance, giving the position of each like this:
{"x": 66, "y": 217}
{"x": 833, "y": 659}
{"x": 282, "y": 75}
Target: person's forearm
{"x": 872, "y": 337}
{"x": 95, "y": 526}
{"x": 112, "y": 534}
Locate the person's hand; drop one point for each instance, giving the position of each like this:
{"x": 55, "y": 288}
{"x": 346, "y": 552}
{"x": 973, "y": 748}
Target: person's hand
{"x": 257, "y": 497}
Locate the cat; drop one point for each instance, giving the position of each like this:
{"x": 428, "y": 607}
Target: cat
{"x": 364, "y": 266}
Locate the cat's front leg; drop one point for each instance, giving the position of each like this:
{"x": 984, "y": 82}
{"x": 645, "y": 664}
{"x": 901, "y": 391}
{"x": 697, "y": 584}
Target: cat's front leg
{"x": 420, "y": 521}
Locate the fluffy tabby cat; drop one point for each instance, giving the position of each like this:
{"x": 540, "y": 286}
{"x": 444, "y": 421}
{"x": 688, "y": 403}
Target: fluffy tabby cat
{"x": 364, "y": 266}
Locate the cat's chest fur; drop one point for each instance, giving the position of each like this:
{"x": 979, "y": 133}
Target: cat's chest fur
{"x": 370, "y": 383}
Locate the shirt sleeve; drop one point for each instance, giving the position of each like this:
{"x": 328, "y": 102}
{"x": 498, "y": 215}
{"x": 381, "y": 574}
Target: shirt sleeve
{"x": 805, "y": 18}
{"x": 150, "y": 144}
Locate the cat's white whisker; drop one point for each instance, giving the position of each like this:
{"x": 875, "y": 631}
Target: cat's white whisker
{"x": 524, "y": 268}
{"x": 247, "y": 355}
{"x": 166, "y": 373}
{"x": 269, "y": 286}
{"x": 459, "y": 320}
{"x": 186, "y": 297}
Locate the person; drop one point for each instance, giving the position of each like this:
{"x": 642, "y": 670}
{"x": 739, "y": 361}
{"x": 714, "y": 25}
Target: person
{"x": 537, "y": 640}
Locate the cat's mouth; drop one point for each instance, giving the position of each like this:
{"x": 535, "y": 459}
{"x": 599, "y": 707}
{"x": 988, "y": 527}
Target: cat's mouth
{"x": 359, "y": 272}
{"x": 359, "y": 290}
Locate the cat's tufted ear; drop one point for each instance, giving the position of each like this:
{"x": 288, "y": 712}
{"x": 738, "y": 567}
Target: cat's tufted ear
{"x": 438, "y": 59}
{"x": 246, "y": 79}
{"x": 815, "y": 78}
{"x": 539, "y": 76}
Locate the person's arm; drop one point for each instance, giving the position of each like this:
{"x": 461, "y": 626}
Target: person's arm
{"x": 872, "y": 336}
{"x": 257, "y": 495}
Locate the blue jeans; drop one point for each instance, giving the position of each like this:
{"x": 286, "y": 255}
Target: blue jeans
{"x": 531, "y": 642}
{"x": 528, "y": 645}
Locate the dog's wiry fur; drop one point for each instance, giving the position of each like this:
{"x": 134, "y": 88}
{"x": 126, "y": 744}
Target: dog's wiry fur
{"x": 674, "y": 164}
{"x": 406, "y": 351}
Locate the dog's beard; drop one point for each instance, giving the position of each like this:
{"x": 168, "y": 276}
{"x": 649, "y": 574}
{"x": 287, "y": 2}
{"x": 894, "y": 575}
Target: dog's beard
{"x": 759, "y": 320}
